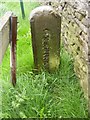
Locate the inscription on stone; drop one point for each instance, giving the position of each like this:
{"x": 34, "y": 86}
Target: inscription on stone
{"x": 45, "y": 30}
{"x": 45, "y": 48}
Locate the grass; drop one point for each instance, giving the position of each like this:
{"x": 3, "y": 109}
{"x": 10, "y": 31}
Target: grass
{"x": 41, "y": 95}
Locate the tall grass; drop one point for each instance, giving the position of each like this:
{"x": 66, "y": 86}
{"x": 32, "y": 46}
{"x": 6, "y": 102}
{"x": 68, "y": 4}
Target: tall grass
{"x": 41, "y": 95}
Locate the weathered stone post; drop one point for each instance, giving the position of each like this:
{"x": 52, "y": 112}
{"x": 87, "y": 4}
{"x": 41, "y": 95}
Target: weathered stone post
{"x": 45, "y": 31}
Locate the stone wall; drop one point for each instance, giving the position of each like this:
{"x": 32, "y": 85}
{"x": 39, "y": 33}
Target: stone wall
{"x": 75, "y": 25}
{"x": 89, "y": 59}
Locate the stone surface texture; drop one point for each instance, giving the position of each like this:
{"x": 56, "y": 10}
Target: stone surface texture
{"x": 76, "y": 35}
{"x": 45, "y": 30}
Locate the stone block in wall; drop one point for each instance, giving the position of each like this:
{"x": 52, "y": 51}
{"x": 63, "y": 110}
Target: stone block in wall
{"x": 81, "y": 70}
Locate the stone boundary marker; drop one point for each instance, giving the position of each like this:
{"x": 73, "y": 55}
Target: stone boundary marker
{"x": 45, "y": 31}
{"x": 8, "y": 34}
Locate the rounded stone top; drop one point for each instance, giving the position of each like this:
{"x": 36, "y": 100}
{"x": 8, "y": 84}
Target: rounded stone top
{"x": 40, "y": 9}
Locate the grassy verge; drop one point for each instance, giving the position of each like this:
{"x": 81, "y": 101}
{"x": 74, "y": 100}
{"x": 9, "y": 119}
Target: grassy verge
{"x": 43, "y": 95}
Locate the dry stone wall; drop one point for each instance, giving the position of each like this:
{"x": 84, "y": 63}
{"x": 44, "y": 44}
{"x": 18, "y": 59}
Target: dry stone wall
{"x": 89, "y": 58}
{"x": 75, "y": 26}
